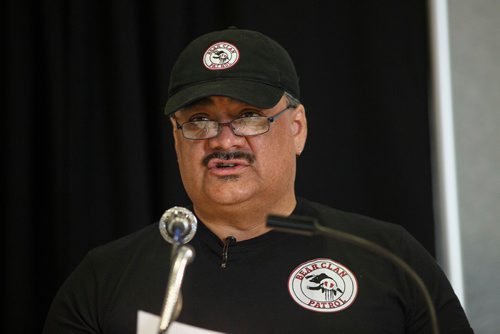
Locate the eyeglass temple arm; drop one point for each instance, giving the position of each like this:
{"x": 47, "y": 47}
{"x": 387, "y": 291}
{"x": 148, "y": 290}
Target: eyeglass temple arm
{"x": 177, "y": 125}
{"x": 273, "y": 118}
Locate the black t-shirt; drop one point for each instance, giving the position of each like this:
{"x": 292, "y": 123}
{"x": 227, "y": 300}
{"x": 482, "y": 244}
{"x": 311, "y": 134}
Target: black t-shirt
{"x": 275, "y": 283}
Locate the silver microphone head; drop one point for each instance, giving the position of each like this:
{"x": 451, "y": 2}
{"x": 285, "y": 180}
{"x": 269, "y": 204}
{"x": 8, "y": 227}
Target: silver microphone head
{"x": 178, "y": 225}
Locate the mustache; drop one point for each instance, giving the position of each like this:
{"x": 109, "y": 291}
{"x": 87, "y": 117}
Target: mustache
{"x": 250, "y": 158}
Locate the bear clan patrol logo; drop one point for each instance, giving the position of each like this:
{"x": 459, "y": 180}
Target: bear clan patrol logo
{"x": 221, "y": 56}
{"x": 323, "y": 285}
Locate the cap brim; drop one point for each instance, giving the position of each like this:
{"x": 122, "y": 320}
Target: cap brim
{"x": 255, "y": 93}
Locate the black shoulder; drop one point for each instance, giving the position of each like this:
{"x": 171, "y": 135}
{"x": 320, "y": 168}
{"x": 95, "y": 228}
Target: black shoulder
{"x": 144, "y": 239}
{"x": 379, "y": 231}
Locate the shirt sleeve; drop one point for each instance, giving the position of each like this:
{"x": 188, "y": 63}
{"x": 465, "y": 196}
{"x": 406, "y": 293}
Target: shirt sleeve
{"x": 450, "y": 314}
{"x": 75, "y": 306}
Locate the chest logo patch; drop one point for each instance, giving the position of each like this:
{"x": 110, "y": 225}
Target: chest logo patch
{"x": 323, "y": 285}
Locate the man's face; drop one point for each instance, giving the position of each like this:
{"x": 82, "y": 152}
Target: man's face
{"x": 262, "y": 169}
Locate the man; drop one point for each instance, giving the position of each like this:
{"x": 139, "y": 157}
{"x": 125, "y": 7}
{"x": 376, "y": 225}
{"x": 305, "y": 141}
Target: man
{"x": 238, "y": 129}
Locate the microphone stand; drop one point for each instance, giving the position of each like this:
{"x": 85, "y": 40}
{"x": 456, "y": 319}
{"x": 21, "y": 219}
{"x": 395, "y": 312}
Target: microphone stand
{"x": 182, "y": 255}
{"x": 309, "y": 226}
{"x": 177, "y": 226}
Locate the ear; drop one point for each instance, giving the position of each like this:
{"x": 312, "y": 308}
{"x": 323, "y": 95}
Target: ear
{"x": 175, "y": 132}
{"x": 299, "y": 128}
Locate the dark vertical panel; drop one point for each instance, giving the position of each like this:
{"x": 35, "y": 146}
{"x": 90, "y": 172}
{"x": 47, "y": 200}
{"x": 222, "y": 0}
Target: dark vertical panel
{"x": 23, "y": 138}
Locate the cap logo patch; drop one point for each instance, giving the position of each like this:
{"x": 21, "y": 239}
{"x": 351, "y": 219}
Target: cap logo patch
{"x": 323, "y": 285}
{"x": 221, "y": 56}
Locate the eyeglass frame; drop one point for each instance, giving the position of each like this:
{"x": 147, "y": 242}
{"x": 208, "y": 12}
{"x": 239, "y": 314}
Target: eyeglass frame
{"x": 270, "y": 119}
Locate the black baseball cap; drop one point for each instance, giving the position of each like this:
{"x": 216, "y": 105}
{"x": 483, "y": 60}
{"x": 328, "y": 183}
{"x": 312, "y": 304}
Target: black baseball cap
{"x": 242, "y": 64}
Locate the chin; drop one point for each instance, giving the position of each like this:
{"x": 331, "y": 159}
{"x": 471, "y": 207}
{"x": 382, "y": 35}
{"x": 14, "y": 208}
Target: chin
{"x": 229, "y": 195}
{"x": 227, "y": 199}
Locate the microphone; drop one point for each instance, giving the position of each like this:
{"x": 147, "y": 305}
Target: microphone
{"x": 309, "y": 226}
{"x": 178, "y": 225}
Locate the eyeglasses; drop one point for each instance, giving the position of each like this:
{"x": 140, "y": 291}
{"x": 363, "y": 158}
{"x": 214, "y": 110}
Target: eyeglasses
{"x": 241, "y": 126}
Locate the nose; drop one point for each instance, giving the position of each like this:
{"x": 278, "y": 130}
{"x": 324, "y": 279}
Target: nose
{"x": 222, "y": 125}
{"x": 226, "y": 139}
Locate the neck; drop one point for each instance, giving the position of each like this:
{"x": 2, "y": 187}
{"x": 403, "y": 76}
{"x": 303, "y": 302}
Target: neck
{"x": 242, "y": 221}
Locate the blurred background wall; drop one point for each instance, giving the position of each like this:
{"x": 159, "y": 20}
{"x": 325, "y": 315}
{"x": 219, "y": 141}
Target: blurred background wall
{"x": 475, "y": 65}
